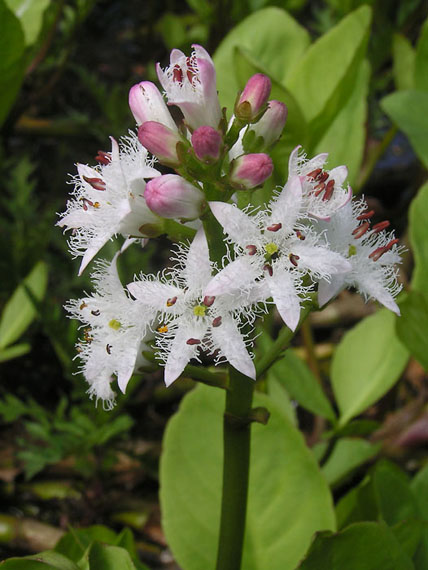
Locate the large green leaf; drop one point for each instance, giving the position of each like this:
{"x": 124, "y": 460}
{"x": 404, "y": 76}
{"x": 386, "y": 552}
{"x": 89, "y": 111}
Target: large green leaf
{"x": 324, "y": 78}
{"x": 419, "y": 486}
{"x": 12, "y": 46}
{"x": 107, "y": 557}
{"x": 403, "y": 62}
{"x": 362, "y": 546}
{"x": 348, "y": 454}
{"x": 345, "y": 137}
{"x": 30, "y": 13}
{"x": 409, "y": 111}
{"x": 421, "y": 59}
{"x": 48, "y": 560}
{"x": 288, "y": 497}
{"x": 418, "y": 229}
{"x": 19, "y": 311}
{"x": 366, "y": 364}
{"x": 272, "y": 37}
{"x": 412, "y": 327}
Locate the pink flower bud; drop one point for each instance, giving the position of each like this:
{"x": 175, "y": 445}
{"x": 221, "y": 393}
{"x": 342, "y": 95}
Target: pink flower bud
{"x": 254, "y": 97}
{"x": 170, "y": 196}
{"x": 207, "y": 143}
{"x": 250, "y": 170}
{"x": 272, "y": 123}
{"x": 147, "y": 104}
{"x": 160, "y": 141}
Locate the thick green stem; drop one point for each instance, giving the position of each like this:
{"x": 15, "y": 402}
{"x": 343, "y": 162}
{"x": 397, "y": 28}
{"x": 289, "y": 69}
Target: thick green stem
{"x": 236, "y": 462}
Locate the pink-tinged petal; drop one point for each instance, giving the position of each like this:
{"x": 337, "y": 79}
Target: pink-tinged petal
{"x": 115, "y": 153}
{"x": 228, "y": 338}
{"x": 285, "y": 208}
{"x": 286, "y": 299}
{"x": 240, "y": 227}
{"x": 329, "y": 289}
{"x": 239, "y": 275}
{"x": 175, "y": 56}
{"x": 181, "y": 352}
{"x": 339, "y": 174}
{"x": 197, "y": 271}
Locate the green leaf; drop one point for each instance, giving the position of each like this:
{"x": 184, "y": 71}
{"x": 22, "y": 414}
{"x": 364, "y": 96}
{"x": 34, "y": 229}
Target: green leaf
{"x": 14, "y": 351}
{"x": 48, "y": 560}
{"x": 421, "y": 59}
{"x": 362, "y": 546}
{"x": 348, "y": 454}
{"x": 106, "y": 557}
{"x": 280, "y": 395}
{"x": 288, "y": 501}
{"x": 12, "y": 65}
{"x": 412, "y": 326}
{"x": 272, "y": 37}
{"x": 403, "y": 62}
{"x": 409, "y": 534}
{"x": 409, "y": 111}
{"x": 366, "y": 364}
{"x": 324, "y": 78}
{"x": 419, "y": 487}
{"x": 19, "y": 311}
{"x": 418, "y": 229}
{"x": 346, "y": 135}
{"x": 75, "y": 543}
{"x": 30, "y": 13}
{"x": 299, "y": 381}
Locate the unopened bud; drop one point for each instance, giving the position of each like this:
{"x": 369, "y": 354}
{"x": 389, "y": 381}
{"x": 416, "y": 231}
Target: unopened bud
{"x": 207, "y": 143}
{"x": 254, "y": 98}
{"x": 160, "y": 141}
{"x": 147, "y": 104}
{"x": 272, "y": 123}
{"x": 170, "y": 196}
{"x": 250, "y": 170}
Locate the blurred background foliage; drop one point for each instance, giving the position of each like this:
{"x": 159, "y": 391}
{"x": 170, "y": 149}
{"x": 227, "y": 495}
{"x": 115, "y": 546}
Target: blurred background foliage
{"x": 354, "y": 75}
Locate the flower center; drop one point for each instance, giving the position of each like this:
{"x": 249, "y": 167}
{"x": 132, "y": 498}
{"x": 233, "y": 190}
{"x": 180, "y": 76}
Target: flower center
{"x": 271, "y": 248}
{"x": 199, "y": 310}
{"x": 352, "y": 250}
{"x": 114, "y": 324}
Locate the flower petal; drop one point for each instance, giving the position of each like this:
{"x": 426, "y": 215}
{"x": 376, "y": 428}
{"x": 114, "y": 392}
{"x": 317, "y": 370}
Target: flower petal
{"x": 287, "y": 301}
{"x": 180, "y": 352}
{"x": 239, "y": 275}
{"x": 329, "y": 289}
{"x": 286, "y": 207}
{"x": 240, "y": 227}
{"x": 197, "y": 272}
{"x": 229, "y": 339}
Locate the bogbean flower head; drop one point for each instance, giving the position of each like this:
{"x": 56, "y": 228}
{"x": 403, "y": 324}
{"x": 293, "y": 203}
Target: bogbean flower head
{"x": 160, "y": 141}
{"x": 190, "y": 83}
{"x": 277, "y": 247}
{"x": 113, "y": 333}
{"x": 323, "y": 190}
{"x": 371, "y": 251}
{"x": 192, "y": 321}
{"x": 250, "y": 170}
{"x": 207, "y": 143}
{"x": 108, "y": 199}
{"x": 170, "y": 196}
{"x": 272, "y": 123}
{"x": 254, "y": 98}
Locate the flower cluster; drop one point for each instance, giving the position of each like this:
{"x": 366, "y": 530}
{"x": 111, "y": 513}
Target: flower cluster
{"x": 311, "y": 236}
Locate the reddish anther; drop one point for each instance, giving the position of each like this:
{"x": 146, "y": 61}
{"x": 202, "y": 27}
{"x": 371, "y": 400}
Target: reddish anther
{"x": 170, "y": 302}
{"x": 216, "y": 322}
{"x": 274, "y": 227}
{"x": 294, "y": 259}
{"x": 177, "y": 74}
{"x": 252, "y": 250}
{"x": 103, "y": 157}
{"x": 268, "y": 268}
{"x": 380, "y": 226}
{"x": 315, "y": 173}
{"x": 96, "y": 183}
{"x": 193, "y": 341}
{"x": 377, "y": 253}
{"x": 300, "y": 235}
{"x": 366, "y": 215}
{"x": 361, "y": 230}
{"x": 208, "y": 300}
{"x": 96, "y": 313}
{"x": 108, "y": 348}
{"x": 86, "y": 203}
{"x": 319, "y": 188}
{"x": 328, "y": 190}
{"x": 322, "y": 177}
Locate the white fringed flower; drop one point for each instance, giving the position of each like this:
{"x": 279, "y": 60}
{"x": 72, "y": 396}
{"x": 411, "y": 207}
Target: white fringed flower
{"x": 191, "y": 321}
{"x": 371, "y": 252}
{"x": 277, "y": 246}
{"x": 323, "y": 190}
{"x": 108, "y": 200}
{"x": 114, "y": 333}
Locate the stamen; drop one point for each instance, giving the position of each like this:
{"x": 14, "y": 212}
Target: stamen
{"x": 268, "y": 268}
{"x": 171, "y": 302}
{"x": 328, "y": 190}
{"x": 108, "y": 348}
{"x": 366, "y": 215}
{"x": 377, "y": 253}
{"x": 252, "y": 250}
{"x": 96, "y": 313}
{"x": 322, "y": 177}
{"x": 300, "y": 235}
{"x": 162, "y": 329}
{"x": 96, "y": 204}
{"x": 319, "y": 188}
{"x": 177, "y": 74}
{"x": 274, "y": 227}
{"x": 96, "y": 183}
{"x": 86, "y": 203}
{"x": 193, "y": 341}
{"x": 314, "y": 174}
{"x": 361, "y": 230}
{"x": 103, "y": 157}
{"x": 216, "y": 322}
{"x": 380, "y": 226}
{"x": 208, "y": 300}
{"x": 83, "y": 305}
{"x": 293, "y": 259}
